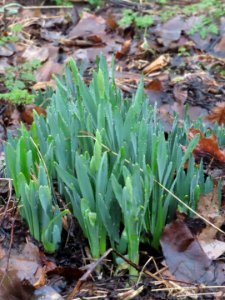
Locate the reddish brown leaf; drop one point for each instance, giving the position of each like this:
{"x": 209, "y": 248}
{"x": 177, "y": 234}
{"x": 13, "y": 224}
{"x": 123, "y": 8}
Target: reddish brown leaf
{"x": 68, "y": 272}
{"x": 154, "y": 85}
{"x": 124, "y": 50}
{"x": 207, "y": 146}
{"x": 27, "y": 115}
{"x": 111, "y": 22}
{"x": 217, "y": 114}
{"x": 95, "y": 39}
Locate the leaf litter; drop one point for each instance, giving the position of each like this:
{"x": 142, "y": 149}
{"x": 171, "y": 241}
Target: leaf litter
{"x": 179, "y": 69}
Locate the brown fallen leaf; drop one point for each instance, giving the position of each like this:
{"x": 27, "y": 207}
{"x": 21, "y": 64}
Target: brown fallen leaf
{"x": 91, "y": 41}
{"x": 70, "y": 273}
{"x": 217, "y": 114}
{"x": 157, "y": 64}
{"x": 23, "y": 264}
{"x": 207, "y": 146}
{"x": 111, "y": 22}
{"x": 32, "y": 52}
{"x": 154, "y": 85}
{"x": 16, "y": 289}
{"x": 186, "y": 259}
{"x": 27, "y": 115}
{"x": 124, "y": 49}
{"x": 88, "y": 25}
{"x": 208, "y": 207}
{"x": 45, "y": 72}
{"x": 220, "y": 47}
{"x": 44, "y": 84}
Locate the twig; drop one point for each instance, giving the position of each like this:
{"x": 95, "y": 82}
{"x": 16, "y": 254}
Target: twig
{"x": 9, "y": 198}
{"x": 47, "y": 7}
{"x": 129, "y": 4}
{"x": 9, "y": 250}
{"x": 88, "y": 273}
{"x": 138, "y": 268}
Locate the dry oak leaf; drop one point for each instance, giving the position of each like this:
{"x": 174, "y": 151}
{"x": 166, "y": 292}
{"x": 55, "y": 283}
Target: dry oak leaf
{"x": 157, "y": 64}
{"x": 207, "y": 146}
{"x": 217, "y": 114}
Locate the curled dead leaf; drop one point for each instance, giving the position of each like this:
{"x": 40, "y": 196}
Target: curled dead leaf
{"x": 207, "y": 146}
{"x": 111, "y": 22}
{"x": 157, "y": 64}
{"x": 217, "y": 114}
{"x": 124, "y": 49}
{"x": 27, "y": 114}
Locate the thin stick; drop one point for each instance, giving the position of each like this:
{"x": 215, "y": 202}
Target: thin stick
{"x": 188, "y": 288}
{"x": 9, "y": 197}
{"x": 9, "y": 250}
{"x": 200, "y": 294}
{"x": 188, "y": 207}
{"x": 142, "y": 270}
{"x": 47, "y": 7}
{"x": 88, "y": 273}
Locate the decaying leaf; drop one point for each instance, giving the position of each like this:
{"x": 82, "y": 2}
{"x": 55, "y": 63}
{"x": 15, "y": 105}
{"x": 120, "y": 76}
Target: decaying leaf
{"x": 27, "y": 115}
{"x": 88, "y": 25}
{"x": 186, "y": 259}
{"x": 32, "y": 52}
{"x": 209, "y": 208}
{"x": 217, "y": 114}
{"x": 157, "y": 64}
{"x": 111, "y": 22}
{"x": 207, "y": 146}
{"x": 154, "y": 85}
{"x": 48, "y": 69}
{"x": 44, "y": 84}
{"x": 124, "y": 50}
{"x": 23, "y": 265}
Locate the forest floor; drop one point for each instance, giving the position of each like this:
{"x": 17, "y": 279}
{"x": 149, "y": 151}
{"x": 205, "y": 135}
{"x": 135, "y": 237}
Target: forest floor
{"x": 179, "y": 51}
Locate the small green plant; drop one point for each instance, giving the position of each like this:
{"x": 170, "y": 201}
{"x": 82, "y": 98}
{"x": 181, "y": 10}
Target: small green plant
{"x": 183, "y": 51}
{"x": 161, "y": 1}
{"x": 111, "y": 161}
{"x": 222, "y": 72}
{"x": 17, "y": 79}
{"x": 8, "y": 39}
{"x": 204, "y": 27}
{"x": 168, "y": 12}
{"x": 16, "y": 28}
{"x": 12, "y": 34}
{"x": 130, "y": 17}
{"x": 17, "y": 96}
{"x": 33, "y": 190}
{"x": 209, "y": 10}
{"x": 95, "y": 3}
{"x": 62, "y": 2}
